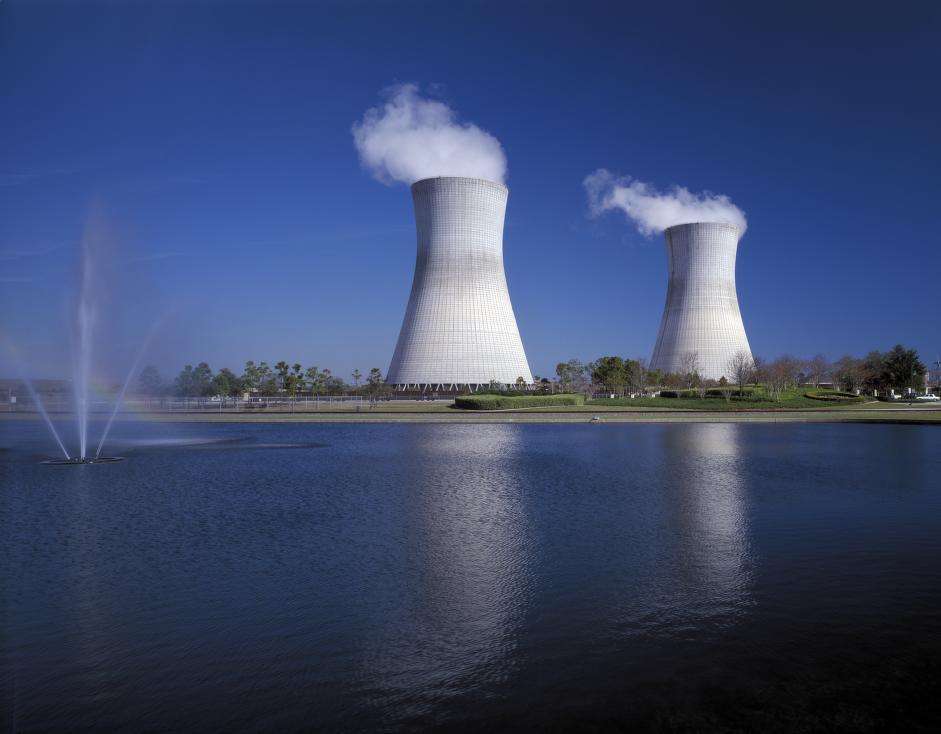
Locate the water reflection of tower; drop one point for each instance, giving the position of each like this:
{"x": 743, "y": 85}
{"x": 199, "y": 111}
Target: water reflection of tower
{"x": 468, "y": 537}
{"x": 705, "y": 489}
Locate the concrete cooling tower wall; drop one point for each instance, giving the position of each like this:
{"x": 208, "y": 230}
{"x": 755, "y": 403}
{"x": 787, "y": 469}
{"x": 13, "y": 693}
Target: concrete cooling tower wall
{"x": 459, "y": 328}
{"x": 701, "y": 313}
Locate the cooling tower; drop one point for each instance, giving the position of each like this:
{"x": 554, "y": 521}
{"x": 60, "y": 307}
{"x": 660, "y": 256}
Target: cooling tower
{"x": 701, "y": 314}
{"x": 459, "y": 328}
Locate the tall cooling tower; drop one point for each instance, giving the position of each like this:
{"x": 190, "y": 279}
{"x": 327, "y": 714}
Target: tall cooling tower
{"x": 459, "y": 328}
{"x": 701, "y": 314}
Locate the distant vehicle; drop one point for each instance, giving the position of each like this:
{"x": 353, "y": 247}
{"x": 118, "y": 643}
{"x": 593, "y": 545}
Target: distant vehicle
{"x": 215, "y": 399}
{"x": 927, "y": 398}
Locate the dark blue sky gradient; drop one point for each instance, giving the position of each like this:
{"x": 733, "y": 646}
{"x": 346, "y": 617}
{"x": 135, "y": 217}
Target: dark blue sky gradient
{"x": 213, "y": 142}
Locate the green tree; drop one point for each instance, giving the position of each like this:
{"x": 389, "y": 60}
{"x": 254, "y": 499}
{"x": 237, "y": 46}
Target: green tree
{"x": 314, "y": 380}
{"x": 267, "y": 384}
{"x": 298, "y": 383}
{"x": 193, "y": 381}
{"x": 251, "y": 377}
{"x": 333, "y": 385}
{"x": 571, "y": 374}
{"x": 900, "y": 367}
{"x": 375, "y": 385}
{"x": 226, "y": 382}
{"x": 182, "y": 385}
{"x": 284, "y": 375}
{"x": 655, "y": 377}
{"x": 613, "y": 372}
{"x": 357, "y": 376}
{"x": 202, "y": 379}
{"x": 150, "y": 381}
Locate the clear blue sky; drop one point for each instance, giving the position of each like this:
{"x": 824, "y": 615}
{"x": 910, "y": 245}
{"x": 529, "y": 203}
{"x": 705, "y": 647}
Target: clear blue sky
{"x": 214, "y": 141}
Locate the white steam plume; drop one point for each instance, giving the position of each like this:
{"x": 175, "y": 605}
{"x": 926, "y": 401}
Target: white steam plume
{"x": 653, "y": 211}
{"x": 409, "y": 138}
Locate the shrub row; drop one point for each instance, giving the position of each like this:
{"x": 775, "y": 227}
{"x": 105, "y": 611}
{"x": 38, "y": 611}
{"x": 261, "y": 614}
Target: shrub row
{"x": 505, "y": 402}
{"x": 833, "y": 396}
{"x": 711, "y": 393}
{"x": 721, "y": 393}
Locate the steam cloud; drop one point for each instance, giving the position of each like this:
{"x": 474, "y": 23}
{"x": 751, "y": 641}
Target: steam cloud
{"x": 410, "y": 138}
{"x": 653, "y": 211}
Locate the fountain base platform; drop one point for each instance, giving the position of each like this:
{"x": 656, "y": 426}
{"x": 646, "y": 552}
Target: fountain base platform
{"x": 82, "y": 462}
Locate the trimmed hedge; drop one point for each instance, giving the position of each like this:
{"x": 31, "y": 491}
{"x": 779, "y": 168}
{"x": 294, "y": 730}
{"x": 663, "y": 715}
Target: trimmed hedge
{"x": 710, "y": 393}
{"x": 487, "y": 401}
{"x": 731, "y": 389}
{"x": 833, "y": 396}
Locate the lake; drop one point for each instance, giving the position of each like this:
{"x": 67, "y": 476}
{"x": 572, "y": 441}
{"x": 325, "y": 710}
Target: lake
{"x": 514, "y": 577}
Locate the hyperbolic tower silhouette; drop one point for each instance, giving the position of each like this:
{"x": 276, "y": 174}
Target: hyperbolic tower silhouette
{"x": 701, "y": 315}
{"x": 459, "y": 328}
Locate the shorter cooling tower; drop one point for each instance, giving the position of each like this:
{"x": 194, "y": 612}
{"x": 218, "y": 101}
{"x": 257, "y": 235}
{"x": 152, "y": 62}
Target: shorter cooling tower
{"x": 701, "y": 313}
{"x": 459, "y": 328}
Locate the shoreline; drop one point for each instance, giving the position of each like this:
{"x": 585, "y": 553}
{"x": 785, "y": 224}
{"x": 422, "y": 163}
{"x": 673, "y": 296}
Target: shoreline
{"x": 903, "y": 416}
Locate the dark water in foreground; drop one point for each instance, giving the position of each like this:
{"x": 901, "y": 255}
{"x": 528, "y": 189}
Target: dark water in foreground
{"x": 665, "y": 577}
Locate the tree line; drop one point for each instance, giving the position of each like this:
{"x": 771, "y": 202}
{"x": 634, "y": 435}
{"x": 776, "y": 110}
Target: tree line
{"x": 898, "y": 369}
{"x": 259, "y": 379}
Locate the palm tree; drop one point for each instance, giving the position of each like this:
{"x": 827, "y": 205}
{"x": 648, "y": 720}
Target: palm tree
{"x": 251, "y": 376}
{"x": 283, "y": 368}
{"x": 297, "y": 378}
{"x": 314, "y": 379}
{"x": 265, "y": 379}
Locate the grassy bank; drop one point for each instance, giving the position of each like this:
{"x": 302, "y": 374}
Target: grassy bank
{"x": 753, "y": 399}
{"x": 496, "y": 401}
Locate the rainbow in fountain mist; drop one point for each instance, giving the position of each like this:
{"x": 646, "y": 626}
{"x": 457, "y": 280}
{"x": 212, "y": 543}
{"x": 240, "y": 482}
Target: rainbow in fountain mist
{"x": 87, "y": 311}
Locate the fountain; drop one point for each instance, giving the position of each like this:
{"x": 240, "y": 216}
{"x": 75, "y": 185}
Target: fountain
{"x": 37, "y": 401}
{"x": 79, "y": 462}
{"x": 87, "y": 312}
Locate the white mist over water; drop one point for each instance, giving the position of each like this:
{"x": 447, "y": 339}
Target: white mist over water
{"x": 654, "y": 211}
{"x": 127, "y": 381}
{"x": 409, "y": 138}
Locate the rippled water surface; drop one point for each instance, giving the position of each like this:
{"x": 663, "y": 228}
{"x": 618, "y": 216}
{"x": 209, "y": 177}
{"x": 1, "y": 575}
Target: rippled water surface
{"x": 390, "y": 577}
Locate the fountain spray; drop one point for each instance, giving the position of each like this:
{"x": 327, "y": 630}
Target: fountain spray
{"x": 37, "y": 401}
{"x": 86, "y": 315}
{"x": 127, "y": 382}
